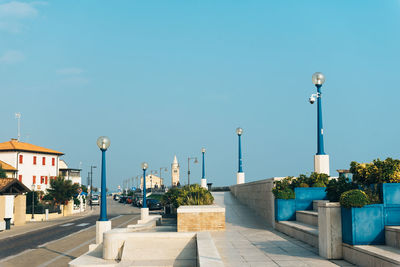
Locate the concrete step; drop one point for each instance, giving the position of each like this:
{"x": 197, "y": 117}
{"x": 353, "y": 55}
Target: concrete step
{"x": 392, "y": 236}
{"x": 371, "y": 256}
{"x": 301, "y": 231}
{"x": 307, "y": 217}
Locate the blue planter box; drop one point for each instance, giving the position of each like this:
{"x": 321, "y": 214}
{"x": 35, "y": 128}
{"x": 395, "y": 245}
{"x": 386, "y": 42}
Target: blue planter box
{"x": 285, "y": 209}
{"x": 306, "y": 195}
{"x": 363, "y": 226}
{"x": 391, "y": 202}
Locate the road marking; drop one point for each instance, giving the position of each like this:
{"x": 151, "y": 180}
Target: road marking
{"x": 82, "y": 224}
{"x": 67, "y": 224}
{"x": 65, "y": 254}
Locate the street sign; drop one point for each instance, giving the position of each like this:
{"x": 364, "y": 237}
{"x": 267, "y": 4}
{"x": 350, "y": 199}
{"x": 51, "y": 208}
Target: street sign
{"x": 133, "y": 188}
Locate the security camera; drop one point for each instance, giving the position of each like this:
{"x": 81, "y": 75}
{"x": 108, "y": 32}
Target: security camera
{"x": 311, "y": 99}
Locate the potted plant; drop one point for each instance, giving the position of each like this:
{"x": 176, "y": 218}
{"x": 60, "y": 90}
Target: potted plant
{"x": 285, "y": 205}
{"x": 381, "y": 177}
{"x": 362, "y": 222}
{"x": 310, "y": 189}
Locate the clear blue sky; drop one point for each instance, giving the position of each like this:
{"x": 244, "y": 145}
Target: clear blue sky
{"x": 167, "y": 77}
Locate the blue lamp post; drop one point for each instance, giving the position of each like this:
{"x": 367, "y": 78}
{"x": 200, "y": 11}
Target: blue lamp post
{"x": 321, "y": 160}
{"x": 203, "y": 173}
{"x": 239, "y": 132}
{"x": 318, "y": 79}
{"x": 103, "y": 142}
{"x": 144, "y": 168}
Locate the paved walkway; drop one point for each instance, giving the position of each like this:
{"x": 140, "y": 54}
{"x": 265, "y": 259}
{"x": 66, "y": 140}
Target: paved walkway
{"x": 247, "y": 241}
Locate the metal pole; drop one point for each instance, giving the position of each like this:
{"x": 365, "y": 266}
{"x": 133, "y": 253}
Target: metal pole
{"x": 240, "y": 153}
{"x": 320, "y": 129}
{"x": 203, "y": 168}
{"x": 144, "y": 189}
{"x": 103, "y": 199}
{"x": 188, "y": 170}
{"x": 33, "y": 204}
{"x": 91, "y": 187}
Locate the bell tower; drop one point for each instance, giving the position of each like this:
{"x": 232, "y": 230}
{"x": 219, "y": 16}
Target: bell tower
{"x": 175, "y": 172}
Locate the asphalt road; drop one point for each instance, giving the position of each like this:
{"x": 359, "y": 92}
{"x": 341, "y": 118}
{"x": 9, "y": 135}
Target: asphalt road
{"x": 57, "y": 245}
{"x": 14, "y": 245}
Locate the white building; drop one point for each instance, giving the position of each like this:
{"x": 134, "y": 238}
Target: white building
{"x": 35, "y": 165}
{"x": 69, "y": 173}
{"x": 152, "y": 181}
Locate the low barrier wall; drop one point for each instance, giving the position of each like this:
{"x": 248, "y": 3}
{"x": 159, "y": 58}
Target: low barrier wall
{"x": 259, "y": 197}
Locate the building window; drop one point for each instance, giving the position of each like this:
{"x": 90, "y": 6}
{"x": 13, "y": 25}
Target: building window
{"x": 53, "y": 162}
{"x": 34, "y": 180}
{"x": 43, "y": 161}
{"x": 20, "y": 178}
{"x": 34, "y": 160}
{"x": 45, "y": 180}
{"x": 21, "y": 159}
{"x": 42, "y": 179}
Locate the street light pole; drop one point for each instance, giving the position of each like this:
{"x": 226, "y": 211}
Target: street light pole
{"x": 103, "y": 224}
{"x": 144, "y": 211}
{"x": 195, "y": 161}
{"x": 103, "y": 143}
{"x": 203, "y": 171}
{"x": 321, "y": 160}
{"x": 161, "y": 180}
{"x": 240, "y": 174}
{"x": 91, "y": 185}
{"x": 33, "y": 202}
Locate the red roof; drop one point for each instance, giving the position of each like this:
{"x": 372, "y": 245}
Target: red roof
{"x": 15, "y": 145}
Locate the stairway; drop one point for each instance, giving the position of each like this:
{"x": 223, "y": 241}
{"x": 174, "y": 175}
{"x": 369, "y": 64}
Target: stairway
{"x": 305, "y": 228}
{"x": 376, "y": 255}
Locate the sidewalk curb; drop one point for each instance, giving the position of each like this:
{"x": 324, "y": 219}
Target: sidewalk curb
{"x": 60, "y": 221}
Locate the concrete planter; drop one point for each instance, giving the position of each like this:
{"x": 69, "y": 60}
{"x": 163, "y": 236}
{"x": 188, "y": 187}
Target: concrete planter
{"x": 363, "y": 226}
{"x": 285, "y": 209}
{"x": 306, "y": 195}
{"x": 391, "y": 201}
{"x": 200, "y": 218}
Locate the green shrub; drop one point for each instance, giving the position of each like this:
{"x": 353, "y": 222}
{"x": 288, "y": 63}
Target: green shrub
{"x": 285, "y": 194}
{"x": 376, "y": 172}
{"x": 318, "y": 184}
{"x": 336, "y": 187}
{"x": 354, "y": 198}
{"x": 319, "y": 178}
{"x": 187, "y": 195}
{"x": 283, "y": 189}
{"x": 303, "y": 185}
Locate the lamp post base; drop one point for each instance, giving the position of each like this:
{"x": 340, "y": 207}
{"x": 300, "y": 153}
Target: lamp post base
{"x": 144, "y": 213}
{"x": 101, "y": 227}
{"x": 203, "y": 183}
{"x": 321, "y": 164}
{"x": 240, "y": 178}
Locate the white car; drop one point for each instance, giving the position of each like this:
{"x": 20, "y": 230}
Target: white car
{"x": 95, "y": 200}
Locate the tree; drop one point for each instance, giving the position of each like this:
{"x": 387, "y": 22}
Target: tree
{"x": 84, "y": 188}
{"x": 2, "y": 173}
{"x": 61, "y": 190}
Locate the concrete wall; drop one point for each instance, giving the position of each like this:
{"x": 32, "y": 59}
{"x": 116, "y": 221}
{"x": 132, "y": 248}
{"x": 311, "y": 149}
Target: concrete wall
{"x": 200, "y": 218}
{"x": 19, "y": 210}
{"x": 258, "y": 196}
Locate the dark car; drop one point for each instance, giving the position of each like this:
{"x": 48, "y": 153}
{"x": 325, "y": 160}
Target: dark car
{"x": 122, "y": 199}
{"x": 153, "y": 204}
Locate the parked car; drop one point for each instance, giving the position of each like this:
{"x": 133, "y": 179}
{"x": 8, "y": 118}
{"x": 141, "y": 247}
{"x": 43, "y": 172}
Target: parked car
{"x": 122, "y": 199}
{"x": 95, "y": 200}
{"x": 128, "y": 200}
{"x": 153, "y": 204}
{"x": 116, "y": 197}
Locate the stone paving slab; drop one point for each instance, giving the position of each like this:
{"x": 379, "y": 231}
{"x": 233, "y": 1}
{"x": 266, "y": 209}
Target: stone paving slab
{"x": 247, "y": 241}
